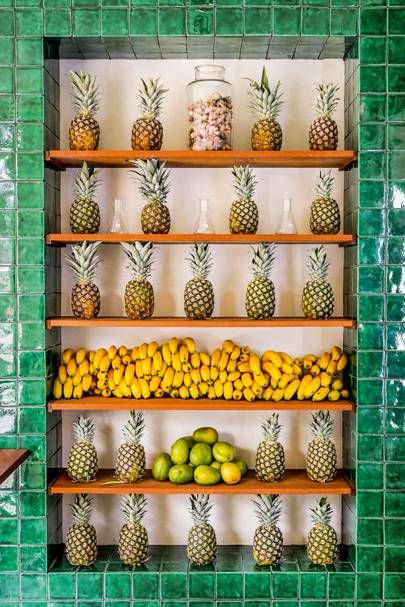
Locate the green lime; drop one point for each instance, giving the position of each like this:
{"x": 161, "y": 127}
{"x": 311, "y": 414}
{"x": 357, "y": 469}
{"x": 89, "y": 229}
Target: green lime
{"x": 200, "y": 454}
{"x": 223, "y": 452}
{"x": 179, "y": 451}
{"x": 205, "y": 435}
{"x": 206, "y": 475}
{"x": 180, "y": 474}
{"x": 161, "y": 467}
{"x": 243, "y": 466}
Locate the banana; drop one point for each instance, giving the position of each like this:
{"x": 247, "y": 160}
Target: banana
{"x": 234, "y": 355}
{"x": 325, "y": 379}
{"x": 228, "y": 390}
{"x": 136, "y": 388}
{"x": 334, "y": 395}
{"x": 135, "y": 354}
{"x": 215, "y": 356}
{"x": 211, "y": 393}
{"x": 244, "y": 367}
{"x": 106, "y": 392}
{"x": 92, "y": 369}
{"x": 261, "y": 380}
{"x": 336, "y": 353}
{"x": 332, "y": 367}
{"x": 219, "y": 389}
{"x": 287, "y": 368}
{"x": 286, "y": 378}
{"x": 159, "y": 393}
{"x": 112, "y": 352}
{"x": 267, "y": 394}
{"x": 77, "y": 379}
{"x": 205, "y": 359}
{"x": 186, "y": 367}
{"x": 154, "y": 383}
{"x": 305, "y": 381}
{"x": 183, "y": 392}
{"x": 311, "y": 357}
{"x": 195, "y": 360}
{"x": 78, "y": 391}
{"x": 286, "y": 358}
{"x": 163, "y": 369}
{"x": 231, "y": 366}
{"x": 277, "y": 394}
{"x": 223, "y": 376}
{"x": 257, "y": 390}
{"x": 248, "y": 394}
{"x": 62, "y": 374}
{"x": 168, "y": 379}
{"x": 312, "y": 387}
{"x": 195, "y": 376}
{"x": 254, "y": 362}
{"x": 187, "y": 380}
{"x": 297, "y": 369}
{"x": 117, "y": 393}
{"x": 273, "y": 383}
{"x": 80, "y": 355}
{"x": 102, "y": 383}
{"x": 183, "y": 352}
{"x": 315, "y": 370}
{"x": 98, "y": 356}
{"x": 223, "y": 361}
{"x": 91, "y": 354}
{"x": 105, "y": 363}
{"x": 143, "y": 351}
{"x": 126, "y": 390}
{"x": 205, "y": 373}
{"x": 145, "y": 391}
{"x": 157, "y": 360}
{"x": 238, "y": 385}
{"x": 203, "y": 388}
{"x": 190, "y": 343}
{"x": 110, "y": 380}
{"x": 176, "y": 362}
{"x": 178, "y": 379}
{"x": 103, "y": 375}
{"x": 272, "y": 370}
{"x": 237, "y": 395}
{"x": 173, "y": 344}
{"x": 138, "y": 368}
{"x": 57, "y": 389}
{"x": 71, "y": 367}
{"x": 273, "y": 357}
{"x": 291, "y": 389}
{"x": 129, "y": 374}
{"x": 337, "y": 384}
{"x": 122, "y": 351}
{"x": 244, "y": 358}
{"x": 146, "y": 366}
{"x": 86, "y": 382}
{"x": 228, "y": 346}
{"x": 306, "y": 363}
{"x": 97, "y": 392}
{"x": 233, "y": 376}
{"x": 67, "y": 355}
{"x": 116, "y": 362}
{"x": 174, "y": 393}
{"x": 118, "y": 374}
{"x": 214, "y": 373}
{"x": 193, "y": 391}
{"x": 298, "y": 361}
{"x": 321, "y": 394}
{"x": 247, "y": 380}
{"x": 344, "y": 393}
{"x": 152, "y": 348}
{"x": 323, "y": 361}
{"x": 84, "y": 368}
{"x": 245, "y": 349}
{"x": 342, "y": 362}
{"x": 68, "y": 388}
{"x": 166, "y": 354}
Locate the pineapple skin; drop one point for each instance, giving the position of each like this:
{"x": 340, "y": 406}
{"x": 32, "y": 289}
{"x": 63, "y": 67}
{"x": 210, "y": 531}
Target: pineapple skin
{"x": 133, "y": 544}
{"x": 317, "y": 299}
{"x": 325, "y": 216}
{"x": 321, "y": 460}
{"x": 82, "y": 464}
{"x": 198, "y": 298}
{"x": 130, "y": 464}
{"x": 270, "y": 461}
{"x": 155, "y": 218}
{"x": 147, "y": 134}
{"x": 323, "y": 134}
{"x": 266, "y": 135}
{"x": 81, "y": 545}
{"x": 85, "y": 300}
{"x": 322, "y": 544}
{"x": 84, "y": 217}
{"x": 243, "y": 217}
{"x": 260, "y": 298}
{"x": 84, "y": 133}
{"x": 202, "y": 544}
{"x": 139, "y": 299}
{"x": 267, "y": 545}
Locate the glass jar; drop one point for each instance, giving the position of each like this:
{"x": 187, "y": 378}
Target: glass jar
{"x": 210, "y": 109}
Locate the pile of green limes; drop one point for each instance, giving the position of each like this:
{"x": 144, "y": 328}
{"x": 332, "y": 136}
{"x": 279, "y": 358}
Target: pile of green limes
{"x": 202, "y": 458}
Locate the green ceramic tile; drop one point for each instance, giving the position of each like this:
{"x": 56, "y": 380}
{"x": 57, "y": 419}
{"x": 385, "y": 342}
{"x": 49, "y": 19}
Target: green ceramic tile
{"x": 229, "y": 585}
{"x": 7, "y": 165}
{"x": 173, "y": 585}
{"x": 32, "y": 504}
{"x": 369, "y": 448}
{"x": 396, "y": 79}
{"x": 285, "y": 585}
{"x": 370, "y": 476}
{"x": 258, "y": 21}
{"x": 8, "y": 531}
{"x": 372, "y": 137}
{"x": 29, "y": 22}
{"x": 315, "y": 21}
{"x": 29, "y": 51}
{"x": 395, "y": 559}
{"x": 86, "y": 22}
{"x": 6, "y": 51}
{"x": 30, "y": 108}
{"x": 257, "y": 585}
{"x": 33, "y": 559}
{"x": 7, "y": 195}
{"x": 7, "y": 139}
{"x": 30, "y": 223}
{"x": 372, "y": 79}
{"x": 6, "y": 80}
{"x": 32, "y": 364}
{"x": 313, "y": 585}
{"x": 372, "y": 49}
{"x": 30, "y": 251}
{"x": 373, "y": 21}
{"x": 30, "y": 137}
{"x": 394, "y": 585}
{"x": 8, "y": 558}
{"x": 372, "y": 107}
{"x": 7, "y": 250}
{"x": 228, "y": 21}
{"x": 369, "y": 504}
{"x": 372, "y": 165}
{"x": 396, "y": 251}
{"x": 287, "y": 21}
{"x": 394, "y": 531}
{"x": 33, "y": 586}
{"x": 6, "y": 108}
{"x": 370, "y": 420}
{"x": 343, "y": 21}
{"x": 395, "y": 363}
{"x": 118, "y": 586}
{"x": 370, "y": 531}
{"x": 30, "y": 195}
{"x": 115, "y": 22}
{"x": 6, "y": 22}
{"x": 396, "y": 107}
{"x": 395, "y": 476}
{"x": 7, "y": 308}
{"x": 369, "y": 586}
{"x": 57, "y": 22}
{"x": 33, "y": 531}
{"x": 31, "y": 336}
{"x": 395, "y": 421}
{"x": 9, "y": 585}
{"x": 369, "y": 558}
{"x": 396, "y": 222}
{"x": 370, "y": 279}
{"x": 145, "y": 585}
{"x": 395, "y": 392}
{"x": 89, "y": 586}
{"x": 143, "y": 22}
{"x": 172, "y": 21}
{"x": 371, "y": 222}
{"x": 32, "y": 420}
{"x": 7, "y": 280}
{"x": 395, "y": 336}
{"x": 202, "y": 585}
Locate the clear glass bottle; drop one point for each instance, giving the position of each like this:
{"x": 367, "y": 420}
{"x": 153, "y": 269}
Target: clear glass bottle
{"x": 287, "y": 223}
{"x": 204, "y": 224}
{"x": 117, "y": 222}
{"x": 209, "y": 109}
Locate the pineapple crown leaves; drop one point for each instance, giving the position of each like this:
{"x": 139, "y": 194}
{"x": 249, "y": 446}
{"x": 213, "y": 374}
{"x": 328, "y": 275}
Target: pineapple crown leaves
{"x": 200, "y": 260}
{"x": 271, "y": 427}
{"x": 327, "y": 99}
{"x": 322, "y": 425}
{"x": 84, "y": 260}
{"x": 86, "y": 182}
{"x": 263, "y": 259}
{"x": 266, "y": 103}
{"x": 268, "y": 509}
{"x": 83, "y": 429}
{"x": 200, "y": 508}
{"x": 134, "y": 427}
{"x": 153, "y": 179}
{"x": 85, "y": 92}
{"x": 140, "y": 257}
{"x": 321, "y": 513}
{"x": 325, "y": 184}
{"x": 318, "y": 263}
{"x": 244, "y": 182}
{"x": 151, "y": 95}
{"x": 81, "y": 509}
{"x": 133, "y": 508}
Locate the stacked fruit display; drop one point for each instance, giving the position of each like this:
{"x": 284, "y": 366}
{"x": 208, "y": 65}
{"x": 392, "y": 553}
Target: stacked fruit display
{"x": 202, "y": 458}
{"x": 176, "y": 369}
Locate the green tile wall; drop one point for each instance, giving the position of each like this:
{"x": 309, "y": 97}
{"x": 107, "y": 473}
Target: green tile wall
{"x": 370, "y": 34}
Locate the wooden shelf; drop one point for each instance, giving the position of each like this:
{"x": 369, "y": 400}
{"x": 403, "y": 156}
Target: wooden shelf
{"x": 170, "y": 321}
{"x": 342, "y": 240}
{"x": 98, "y": 403}
{"x": 10, "y": 460}
{"x": 295, "y": 481}
{"x": 340, "y": 159}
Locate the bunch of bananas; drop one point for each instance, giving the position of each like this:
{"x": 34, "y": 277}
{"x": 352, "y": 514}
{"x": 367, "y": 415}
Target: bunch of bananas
{"x": 177, "y": 369}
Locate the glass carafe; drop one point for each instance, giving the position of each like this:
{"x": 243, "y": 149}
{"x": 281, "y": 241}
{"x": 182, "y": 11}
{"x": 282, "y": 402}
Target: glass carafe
{"x": 117, "y": 223}
{"x": 204, "y": 224}
{"x": 287, "y": 223}
{"x": 209, "y": 109}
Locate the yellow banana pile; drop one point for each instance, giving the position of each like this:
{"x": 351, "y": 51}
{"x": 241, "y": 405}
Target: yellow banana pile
{"x": 178, "y": 370}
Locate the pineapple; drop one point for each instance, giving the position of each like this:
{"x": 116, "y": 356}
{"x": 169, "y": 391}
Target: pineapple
{"x": 201, "y": 542}
{"x": 325, "y": 215}
{"x": 244, "y": 215}
{"x": 82, "y": 465}
{"x": 84, "y": 131}
{"x": 322, "y": 539}
{"x": 147, "y": 132}
{"x": 130, "y": 463}
{"x": 266, "y": 104}
{"x": 321, "y": 454}
{"x": 268, "y": 539}
{"x": 85, "y": 298}
{"x": 133, "y": 539}
{"x": 85, "y": 212}
{"x": 81, "y": 540}
{"x": 317, "y": 296}
{"x": 139, "y": 298}
{"x": 323, "y": 134}
{"x": 152, "y": 177}
{"x": 198, "y": 292}
{"x": 270, "y": 460}
{"x": 260, "y": 298}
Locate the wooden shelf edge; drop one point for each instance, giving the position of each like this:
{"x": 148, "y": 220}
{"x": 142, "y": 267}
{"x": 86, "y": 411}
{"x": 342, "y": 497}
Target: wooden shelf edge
{"x": 295, "y": 482}
{"x": 342, "y": 240}
{"x": 97, "y": 403}
{"x": 156, "y": 321}
{"x": 339, "y": 159}
{"x": 10, "y": 460}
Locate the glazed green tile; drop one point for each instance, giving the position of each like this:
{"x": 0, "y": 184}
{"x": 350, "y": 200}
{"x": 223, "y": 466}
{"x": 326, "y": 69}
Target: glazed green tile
{"x": 8, "y": 504}
{"x": 57, "y": 22}
{"x": 9, "y": 583}
{"x": 89, "y": 586}
{"x": 369, "y": 504}
{"x": 6, "y": 108}
{"x": 395, "y": 307}
{"x": 8, "y": 531}
{"x": 372, "y": 165}
{"x": 287, "y": 21}
{"x": 33, "y": 530}
{"x": 8, "y": 417}
{"x": 31, "y": 391}
{"x": 173, "y": 585}
{"x": 370, "y": 476}
{"x": 370, "y": 420}
{"x": 394, "y": 585}
{"x": 32, "y": 364}
{"x": 7, "y": 308}
{"x": 33, "y": 586}
{"x": 285, "y": 585}
{"x": 396, "y": 222}
{"x": 30, "y": 224}
{"x": 30, "y": 251}
{"x": 395, "y": 363}
{"x": 257, "y": 585}
{"x": 371, "y": 222}
{"x": 7, "y": 165}
{"x": 313, "y": 586}
{"x": 7, "y": 137}
{"x": 396, "y": 79}
{"x": 7, "y": 250}
{"x": 369, "y": 558}
{"x": 396, "y": 107}
{"x": 369, "y": 448}
{"x": 30, "y": 108}
{"x": 369, "y": 585}
{"x": 396, "y": 251}
{"x": 370, "y": 279}
{"x": 395, "y": 279}
{"x": 201, "y": 585}
{"x": 370, "y": 531}
{"x": 7, "y": 280}
{"x": 32, "y": 504}
{"x": 7, "y": 223}
{"x": 8, "y": 398}
{"x": 6, "y": 51}
{"x": 86, "y": 22}
{"x": 395, "y": 421}
{"x": 371, "y": 251}
{"x": 373, "y": 21}
{"x": 30, "y": 137}
{"x": 30, "y": 166}
{"x": 143, "y": 22}
{"x": 372, "y": 79}
{"x": 7, "y": 337}
{"x": 145, "y": 585}
{"x": 6, "y": 22}
{"x": 372, "y": 137}
{"x": 370, "y": 336}
{"x": 118, "y": 586}
{"x": 30, "y": 195}
{"x": 372, "y": 107}
{"x": 29, "y": 22}
{"x": 228, "y": 21}
{"x": 229, "y": 585}
{"x": 29, "y": 51}
{"x": 31, "y": 336}
{"x": 115, "y": 22}
{"x": 172, "y": 21}
{"x": 343, "y": 22}
{"x": 395, "y": 392}
{"x": 395, "y": 336}
{"x": 31, "y": 307}
{"x": 394, "y": 531}
{"x": 8, "y": 558}
{"x": 6, "y": 80}
{"x": 32, "y": 420}
{"x": 258, "y": 21}
{"x": 395, "y": 449}
{"x": 395, "y": 559}
{"x": 7, "y": 195}
{"x": 372, "y": 49}
{"x": 33, "y": 558}
{"x": 86, "y": 3}
{"x": 315, "y": 21}
{"x": 395, "y": 478}
{"x": 31, "y": 279}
